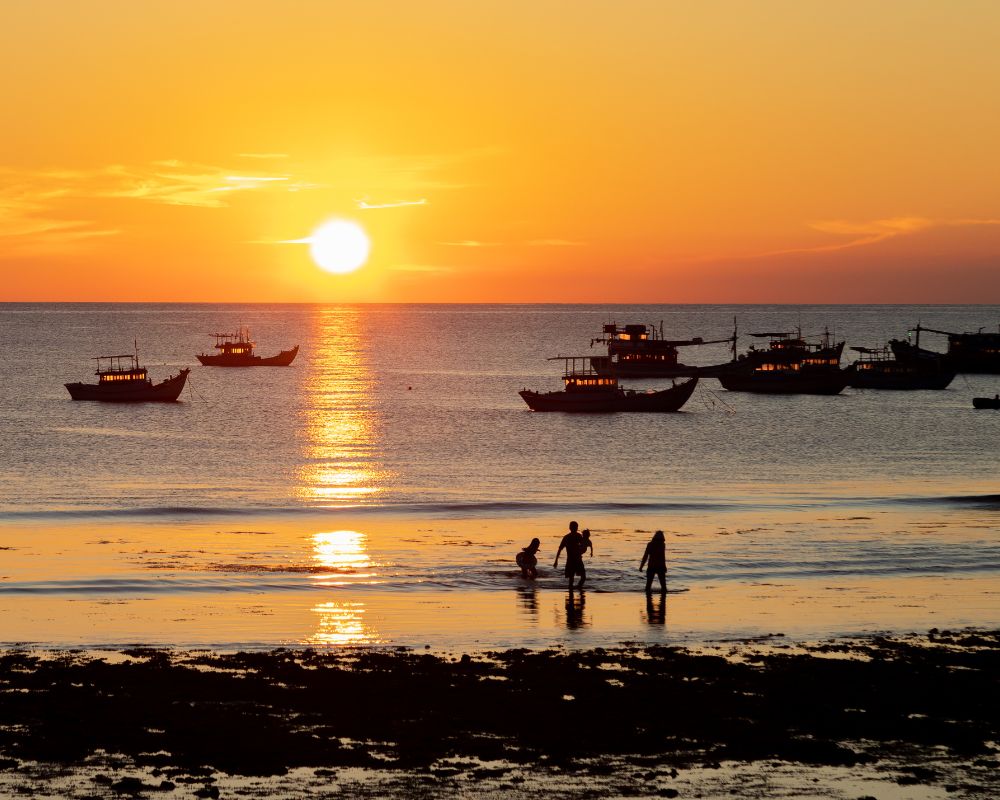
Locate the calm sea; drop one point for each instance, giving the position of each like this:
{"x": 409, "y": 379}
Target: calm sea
{"x": 394, "y": 457}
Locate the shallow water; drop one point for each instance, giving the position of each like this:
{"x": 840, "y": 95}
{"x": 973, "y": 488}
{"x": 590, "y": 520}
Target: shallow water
{"x": 377, "y": 490}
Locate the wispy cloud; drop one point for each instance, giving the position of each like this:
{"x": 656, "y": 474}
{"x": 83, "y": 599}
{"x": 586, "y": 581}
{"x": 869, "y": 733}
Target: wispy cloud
{"x": 471, "y": 243}
{"x": 178, "y": 184}
{"x": 861, "y": 234}
{"x": 364, "y": 204}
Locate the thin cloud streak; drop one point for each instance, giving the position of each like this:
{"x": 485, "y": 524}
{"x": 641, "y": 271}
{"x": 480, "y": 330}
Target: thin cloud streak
{"x": 875, "y": 231}
{"x": 364, "y": 204}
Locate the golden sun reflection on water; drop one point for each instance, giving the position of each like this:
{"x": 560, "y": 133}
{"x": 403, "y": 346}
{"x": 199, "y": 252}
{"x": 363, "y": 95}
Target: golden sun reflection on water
{"x": 341, "y": 433}
{"x": 343, "y": 553}
{"x": 342, "y": 623}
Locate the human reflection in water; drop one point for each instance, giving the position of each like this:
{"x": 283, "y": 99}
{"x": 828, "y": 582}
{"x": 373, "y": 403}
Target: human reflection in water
{"x": 656, "y": 609}
{"x": 575, "y": 604}
{"x": 528, "y": 597}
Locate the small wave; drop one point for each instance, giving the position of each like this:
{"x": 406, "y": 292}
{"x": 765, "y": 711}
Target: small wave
{"x": 978, "y": 500}
{"x": 499, "y": 507}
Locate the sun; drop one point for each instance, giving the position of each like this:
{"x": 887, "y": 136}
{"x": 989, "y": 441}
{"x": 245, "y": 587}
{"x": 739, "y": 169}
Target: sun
{"x": 339, "y": 246}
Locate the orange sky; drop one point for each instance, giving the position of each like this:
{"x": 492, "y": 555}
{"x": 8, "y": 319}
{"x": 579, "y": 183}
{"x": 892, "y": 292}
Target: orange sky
{"x": 502, "y": 151}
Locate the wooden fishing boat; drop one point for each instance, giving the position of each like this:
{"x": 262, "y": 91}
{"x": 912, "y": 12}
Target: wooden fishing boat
{"x": 789, "y": 365}
{"x": 977, "y": 352}
{"x": 986, "y": 402}
{"x": 588, "y": 391}
{"x": 878, "y": 369}
{"x": 122, "y": 380}
{"x": 236, "y": 350}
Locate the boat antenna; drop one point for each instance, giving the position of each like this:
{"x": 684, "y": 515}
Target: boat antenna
{"x": 735, "y": 330}
{"x": 135, "y": 341}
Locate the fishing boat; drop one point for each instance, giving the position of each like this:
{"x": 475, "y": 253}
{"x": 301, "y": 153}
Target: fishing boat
{"x": 236, "y": 350}
{"x": 122, "y": 380}
{"x": 789, "y": 365}
{"x": 986, "y": 402}
{"x": 587, "y": 390}
{"x": 877, "y": 368}
{"x": 640, "y": 351}
{"x": 977, "y": 352}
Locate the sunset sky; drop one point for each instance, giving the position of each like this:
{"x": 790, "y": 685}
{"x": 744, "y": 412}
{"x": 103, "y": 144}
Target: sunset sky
{"x": 502, "y": 151}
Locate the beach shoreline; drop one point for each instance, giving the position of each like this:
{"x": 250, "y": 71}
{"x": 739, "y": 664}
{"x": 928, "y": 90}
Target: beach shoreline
{"x": 913, "y": 713}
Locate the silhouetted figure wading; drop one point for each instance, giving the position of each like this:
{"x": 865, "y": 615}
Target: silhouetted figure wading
{"x": 572, "y": 543}
{"x": 527, "y": 560}
{"x": 656, "y": 555}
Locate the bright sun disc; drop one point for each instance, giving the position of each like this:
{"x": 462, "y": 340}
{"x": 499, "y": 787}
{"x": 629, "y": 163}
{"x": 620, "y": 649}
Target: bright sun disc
{"x": 339, "y": 246}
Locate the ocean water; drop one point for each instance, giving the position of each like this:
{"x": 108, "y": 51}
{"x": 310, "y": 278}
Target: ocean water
{"x": 377, "y": 490}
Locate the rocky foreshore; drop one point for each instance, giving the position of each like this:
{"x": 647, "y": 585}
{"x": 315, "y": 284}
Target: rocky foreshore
{"x": 921, "y": 711}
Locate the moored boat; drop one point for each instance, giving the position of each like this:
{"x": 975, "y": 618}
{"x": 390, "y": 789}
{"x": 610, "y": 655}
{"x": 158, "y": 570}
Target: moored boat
{"x": 236, "y": 350}
{"x": 587, "y": 390}
{"x": 986, "y": 402}
{"x": 878, "y": 369}
{"x": 122, "y": 380}
{"x": 789, "y": 365}
{"x": 640, "y": 351}
{"x": 977, "y": 352}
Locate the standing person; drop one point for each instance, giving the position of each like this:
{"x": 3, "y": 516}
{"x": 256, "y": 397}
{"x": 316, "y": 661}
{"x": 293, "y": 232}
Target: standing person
{"x": 527, "y": 561}
{"x": 656, "y": 555}
{"x": 572, "y": 543}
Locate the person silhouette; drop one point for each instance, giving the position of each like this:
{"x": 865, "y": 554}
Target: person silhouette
{"x": 656, "y": 555}
{"x": 527, "y": 561}
{"x": 587, "y": 544}
{"x": 572, "y": 543}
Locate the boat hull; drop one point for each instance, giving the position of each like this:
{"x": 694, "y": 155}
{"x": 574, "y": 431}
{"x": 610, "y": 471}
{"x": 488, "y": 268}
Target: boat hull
{"x": 164, "y": 392}
{"x": 899, "y": 381}
{"x": 760, "y": 382}
{"x": 611, "y": 400}
{"x": 283, "y": 359}
{"x": 986, "y": 402}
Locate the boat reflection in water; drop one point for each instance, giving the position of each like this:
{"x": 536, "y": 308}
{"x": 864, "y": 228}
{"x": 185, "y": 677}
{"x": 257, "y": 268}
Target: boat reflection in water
{"x": 342, "y": 455}
{"x": 344, "y": 558}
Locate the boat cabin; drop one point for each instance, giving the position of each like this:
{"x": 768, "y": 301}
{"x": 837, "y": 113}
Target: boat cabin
{"x": 580, "y": 376}
{"x": 119, "y": 369}
{"x": 237, "y": 344}
{"x": 642, "y": 344}
{"x": 788, "y": 350}
{"x": 880, "y": 360}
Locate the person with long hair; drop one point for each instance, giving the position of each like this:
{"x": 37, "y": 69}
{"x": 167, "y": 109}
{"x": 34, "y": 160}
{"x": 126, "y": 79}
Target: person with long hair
{"x": 656, "y": 556}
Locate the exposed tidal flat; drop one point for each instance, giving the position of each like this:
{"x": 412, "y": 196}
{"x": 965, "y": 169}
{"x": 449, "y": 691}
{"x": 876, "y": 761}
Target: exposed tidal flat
{"x": 887, "y": 717}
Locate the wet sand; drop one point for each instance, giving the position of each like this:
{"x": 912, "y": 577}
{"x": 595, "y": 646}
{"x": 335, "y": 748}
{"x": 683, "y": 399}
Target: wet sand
{"x": 888, "y": 717}
{"x": 262, "y": 581}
